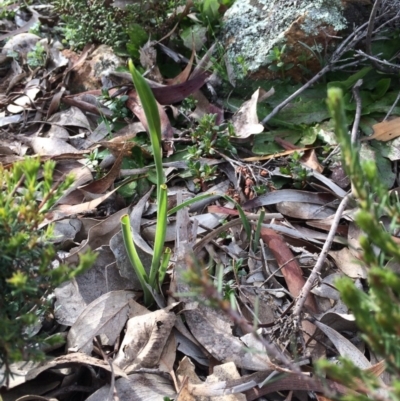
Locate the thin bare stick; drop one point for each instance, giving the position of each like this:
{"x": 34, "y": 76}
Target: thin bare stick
{"x": 350, "y": 41}
{"x": 357, "y": 97}
{"x": 280, "y": 106}
{"x": 392, "y": 107}
{"x": 371, "y": 21}
{"x": 321, "y": 259}
{"x": 380, "y": 64}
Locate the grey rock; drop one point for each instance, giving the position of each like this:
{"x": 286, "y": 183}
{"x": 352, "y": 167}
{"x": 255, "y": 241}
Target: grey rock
{"x": 252, "y": 28}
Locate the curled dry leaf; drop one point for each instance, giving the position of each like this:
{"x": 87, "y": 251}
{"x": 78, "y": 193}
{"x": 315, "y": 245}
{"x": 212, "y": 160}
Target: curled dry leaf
{"x": 49, "y": 146}
{"x": 385, "y": 130}
{"x": 213, "y": 332}
{"x": 348, "y": 264}
{"x": 289, "y": 195}
{"x": 72, "y": 116}
{"x": 71, "y": 359}
{"x": 145, "y": 339}
{"x": 72, "y": 297}
{"x": 245, "y": 119}
{"x": 66, "y": 210}
{"x": 106, "y": 315}
{"x": 137, "y": 387}
{"x": 304, "y": 211}
{"x": 344, "y": 346}
{"x": 99, "y": 234}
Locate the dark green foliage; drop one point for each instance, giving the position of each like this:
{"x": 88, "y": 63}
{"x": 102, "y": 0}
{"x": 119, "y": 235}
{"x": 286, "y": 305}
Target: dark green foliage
{"x": 26, "y": 254}
{"x": 209, "y": 137}
{"x": 124, "y": 29}
{"x": 93, "y": 21}
{"x": 377, "y": 311}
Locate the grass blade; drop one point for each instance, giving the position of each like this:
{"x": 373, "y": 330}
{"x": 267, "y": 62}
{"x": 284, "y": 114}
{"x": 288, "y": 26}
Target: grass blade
{"x": 134, "y": 258}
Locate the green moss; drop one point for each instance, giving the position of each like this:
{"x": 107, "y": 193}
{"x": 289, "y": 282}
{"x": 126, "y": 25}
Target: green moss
{"x": 123, "y": 29}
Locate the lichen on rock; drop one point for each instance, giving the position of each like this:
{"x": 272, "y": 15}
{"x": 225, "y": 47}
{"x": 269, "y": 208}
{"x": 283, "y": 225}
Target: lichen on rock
{"x": 253, "y": 27}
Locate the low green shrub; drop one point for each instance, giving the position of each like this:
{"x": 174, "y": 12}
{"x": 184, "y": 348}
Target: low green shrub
{"x": 26, "y": 255}
{"x": 377, "y": 311}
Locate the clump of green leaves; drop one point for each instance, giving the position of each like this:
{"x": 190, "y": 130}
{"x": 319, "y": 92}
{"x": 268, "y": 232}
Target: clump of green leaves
{"x": 85, "y": 22}
{"x": 37, "y": 57}
{"x": 26, "y": 254}
{"x": 294, "y": 168}
{"x": 117, "y": 105}
{"x": 275, "y": 58}
{"x": 209, "y": 137}
{"x": 377, "y": 312}
{"x": 4, "y": 11}
{"x": 202, "y": 173}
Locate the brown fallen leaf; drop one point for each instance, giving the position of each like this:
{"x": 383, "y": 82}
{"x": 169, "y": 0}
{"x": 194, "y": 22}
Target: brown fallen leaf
{"x": 167, "y": 95}
{"x": 245, "y": 120}
{"x": 105, "y": 315}
{"x": 101, "y": 185}
{"x": 134, "y": 104}
{"x": 291, "y": 269}
{"x": 75, "y": 358}
{"x": 145, "y": 339}
{"x": 295, "y": 281}
{"x": 385, "y": 130}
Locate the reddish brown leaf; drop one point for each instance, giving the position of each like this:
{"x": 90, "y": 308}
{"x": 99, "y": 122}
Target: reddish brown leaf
{"x": 291, "y": 269}
{"x": 184, "y": 75}
{"x": 101, "y": 185}
{"x": 176, "y": 93}
{"x": 133, "y": 103}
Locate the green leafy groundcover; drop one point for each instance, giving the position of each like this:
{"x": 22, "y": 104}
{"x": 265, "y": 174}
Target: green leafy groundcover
{"x": 26, "y": 255}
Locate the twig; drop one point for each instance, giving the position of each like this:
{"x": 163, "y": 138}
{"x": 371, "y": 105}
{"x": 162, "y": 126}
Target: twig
{"x": 371, "y": 21}
{"x": 392, "y": 107}
{"x": 379, "y": 64}
{"x": 321, "y": 259}
{"x": 357, "y": 97}
{"x": 280, "y": 106}
{"x": 357, "y": 35}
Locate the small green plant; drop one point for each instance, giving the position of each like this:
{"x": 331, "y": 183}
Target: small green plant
{"x": 35, "y": 29}
{"x": 4, "y": 11}
{"x": 276, "y": 60}
{"x": 117, "y": 105}
{"x": 242, "y": 62}
{"x": 37, "y": 57}
{"x": 260, "y": 189}
{"x": 159, "y": 255}
{"x": 188, "y": 104}
{"x": 377, "y": 312}
{"x": 202, "y": 173}
{"x": 210, "y": 137}
{"x": 294, "y": 168}
{"x": 93, "y": 160}
{"x": 26, "y": 254}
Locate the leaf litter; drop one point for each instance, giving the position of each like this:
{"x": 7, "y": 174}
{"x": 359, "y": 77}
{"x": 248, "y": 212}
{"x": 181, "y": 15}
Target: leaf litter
{"x": 224, "y": 328}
